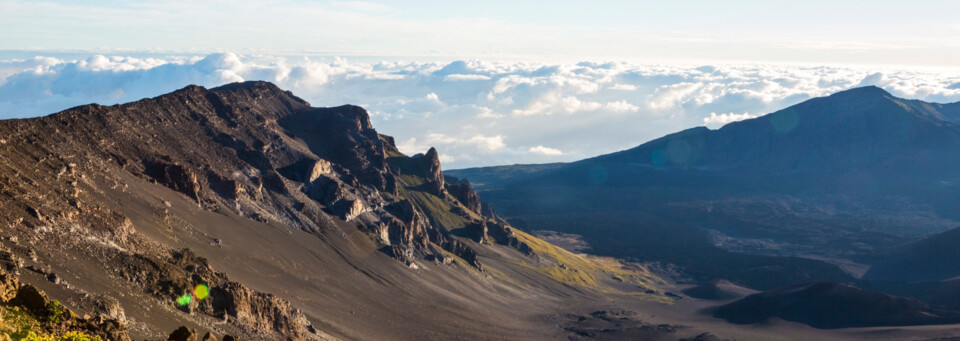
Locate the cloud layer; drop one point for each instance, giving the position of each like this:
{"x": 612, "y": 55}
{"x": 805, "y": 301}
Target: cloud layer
{"x": 475, "y": 112}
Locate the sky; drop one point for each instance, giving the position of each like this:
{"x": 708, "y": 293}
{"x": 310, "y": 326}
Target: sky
{"x": 491, "y": 82}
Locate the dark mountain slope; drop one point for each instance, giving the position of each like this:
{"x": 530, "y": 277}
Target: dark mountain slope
{"x": 858, "y": 129}
{"x": 928, "y": 269}
{"x": 832, "y": 305}
{"x": 837, "y": 178}
{"x": 934, "y": 258}
{"x": 303, "y": 222}
{"x": 718, "y": 290}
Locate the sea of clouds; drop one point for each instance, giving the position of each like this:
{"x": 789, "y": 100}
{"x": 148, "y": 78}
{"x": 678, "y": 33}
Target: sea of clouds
{"x": 475, "y": 112}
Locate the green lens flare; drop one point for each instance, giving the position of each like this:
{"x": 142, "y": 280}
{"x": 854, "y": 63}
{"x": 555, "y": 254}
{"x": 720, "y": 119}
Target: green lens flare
{"x": 184, "y": 300}
{"x": 201, "y": 291}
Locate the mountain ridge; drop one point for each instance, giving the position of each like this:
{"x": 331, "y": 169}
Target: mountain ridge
{"x": 294, "y": 217}
{"x": 838, "y": 179}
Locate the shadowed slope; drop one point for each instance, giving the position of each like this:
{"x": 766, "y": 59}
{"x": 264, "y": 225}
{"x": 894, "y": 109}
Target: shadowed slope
{"x": 837, "y": 178}
{"x": 832, "y": 305}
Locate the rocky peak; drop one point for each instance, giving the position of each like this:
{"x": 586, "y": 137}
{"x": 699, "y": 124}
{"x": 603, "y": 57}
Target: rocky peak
{"x": 428, "y": 166}
{"x": 871, "y": 91}
{"x": 432, "y": 162}
{"x": 343, "y": 136}
{"x": 357, "y": 117}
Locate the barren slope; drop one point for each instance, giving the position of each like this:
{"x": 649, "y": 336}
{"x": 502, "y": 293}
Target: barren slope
{"x": 304, "y": 222}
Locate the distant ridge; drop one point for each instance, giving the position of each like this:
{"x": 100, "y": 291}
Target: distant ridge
{"x": 839, "y": 177}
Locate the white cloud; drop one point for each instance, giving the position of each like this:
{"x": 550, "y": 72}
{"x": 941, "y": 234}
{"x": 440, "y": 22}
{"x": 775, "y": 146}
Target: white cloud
{"x": 715, "y": 120}
{"x": 470, "y": 109}
{"x": 489, "y": 143}
{"x": 621, "y": 86}
{"x": 621, "y": 106}
{"x": 477, "y": 143}
{"x": 540, "y": 149}
{"x": 460, "y": 77}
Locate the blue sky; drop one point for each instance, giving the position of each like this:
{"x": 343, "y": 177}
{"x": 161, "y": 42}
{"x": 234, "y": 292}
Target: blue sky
{"x": 491, "y": 82}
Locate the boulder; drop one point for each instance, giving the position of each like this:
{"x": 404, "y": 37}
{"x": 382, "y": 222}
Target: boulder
{"x": 9, "y": 284}
{"x": 183, "y": 334}
{"x": 320, "y": 167}
{"x": 31, "y": 298}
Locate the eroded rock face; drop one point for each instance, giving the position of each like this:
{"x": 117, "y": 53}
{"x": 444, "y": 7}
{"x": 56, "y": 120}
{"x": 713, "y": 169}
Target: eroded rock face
{"x": 350, "y": 209}
{"x": 503, "y": 234}
{"x": 428, "y": 166}
{"x": 258, "y": 310}
{"x": 320, "y": 167}
{"x": 463, "y": 192}
{"x": 408, "y": 228}
{"x": 9, "y": 285}
{"x": 183, "y": 270}
{"x": 477, "y": 231}
{"x": 227, "y": 188}
{"x": 463, "y": 251}
{"x": 344, "y": 136}
{"x": 487, "y": 211}
{"x": 431, "y": 164}
{"x": 174, "y": 175}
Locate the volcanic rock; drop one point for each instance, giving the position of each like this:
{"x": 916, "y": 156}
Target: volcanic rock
{"x": 461, "y": 190}
{"x": 183, "y": 334}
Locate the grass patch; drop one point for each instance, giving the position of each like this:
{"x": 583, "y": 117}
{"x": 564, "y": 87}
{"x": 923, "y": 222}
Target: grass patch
{"x": 436, "y": 209}
{"x": 68, "y": 336}
{"x": 588, "y": 271}
{"x": 407, "y": 180}
{"x": 17, "y": 323}
{"x": 565, "y": 267}
{"x": 55, "y": 312}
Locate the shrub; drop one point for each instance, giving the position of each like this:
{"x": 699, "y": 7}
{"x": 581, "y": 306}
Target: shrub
{"x": 77, "y": 336}
{"x": 55, "y": 312}
{"x": 68, "y": 336}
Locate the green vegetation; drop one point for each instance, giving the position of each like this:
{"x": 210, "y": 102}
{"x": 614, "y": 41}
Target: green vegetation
{"x": 586, "y": 271}
{"x": 394, "y": 153}
{"x": 436, "y": 209}
{"x": 17, "y": 323}
{"x": 410, "y": 180}
{"x": 596, "y": 273}
{"x": 68, "y": 336}
{"x": 55, "y": 312}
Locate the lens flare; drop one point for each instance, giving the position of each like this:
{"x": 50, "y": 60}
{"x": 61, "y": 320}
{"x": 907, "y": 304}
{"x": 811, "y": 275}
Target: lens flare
{"x": 184, "y": 300}
{"x": 658, "y": 157}
{"x": 201, "y": 291}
